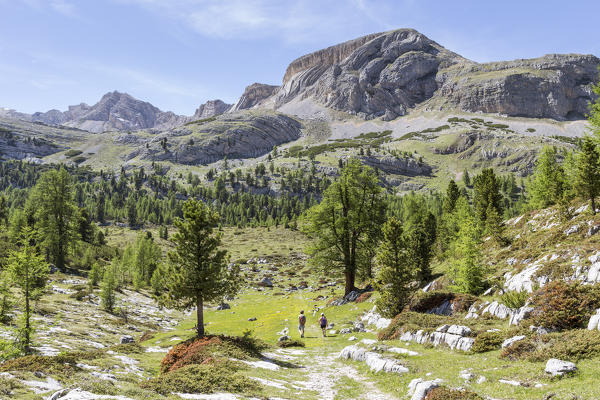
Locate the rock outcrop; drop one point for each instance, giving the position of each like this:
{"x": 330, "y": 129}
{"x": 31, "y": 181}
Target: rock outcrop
{"x": 375, "y": 361}
{"x": 211, "y": 108}
{"x": 386, "y": 74}
{"x": 557, "y": 367}
{"x": 406, "y": 166}
{"x": 231, "y": 135}
{"x": 454, "y": 336}
{"x": 115, "y": 111}
{"x": 254, "y": 95}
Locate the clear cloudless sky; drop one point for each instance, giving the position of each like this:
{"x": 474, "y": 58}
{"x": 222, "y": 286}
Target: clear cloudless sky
{"x": 177, "y": 54}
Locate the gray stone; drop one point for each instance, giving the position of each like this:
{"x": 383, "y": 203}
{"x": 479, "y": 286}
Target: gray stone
{"x": 510, "y": 341}
{"x": 557, "y": 367}
{"x": 418, "y": 388}
{"x": 127, "y": 339}
{"x": 252, "y": 319}
{"x": 223, "y": 306}
{"x": 283, "y": 338}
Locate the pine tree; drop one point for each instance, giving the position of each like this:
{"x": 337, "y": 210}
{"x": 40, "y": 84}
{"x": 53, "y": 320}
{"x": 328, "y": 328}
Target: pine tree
{"x": 452, "y": 194}
{"x": 587, "y": 179}
{"x": 55, "y": 213}
{"x": 197, "y": 271}
{"x": 486, "y": 194}
{"x": 29, "y": 273}
{"x": 548, "y": 182}
{"x": 396, "y": 272}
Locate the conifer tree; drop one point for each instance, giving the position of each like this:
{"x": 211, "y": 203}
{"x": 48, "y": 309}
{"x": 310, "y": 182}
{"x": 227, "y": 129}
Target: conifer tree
{"x": 197, "y": 271}
{"x": 29, "y": 272}
{"x": 467, "y": 270}
{"x": 55, "y": 213}
{"x": 108, "y": 288}
{"x": 587, "y": 178}
{"x": 548, "y": 183}
{"x": 347, "y": 222}
{"x": 396, "y": 272}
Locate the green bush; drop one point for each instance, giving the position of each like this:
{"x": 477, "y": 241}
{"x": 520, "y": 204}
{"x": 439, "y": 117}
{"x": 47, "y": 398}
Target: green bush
{"x": 411, "y": 321}
{"x": 290, "y": 343}
{"x": 212, "y": 377}
{"x": 79, "y": 160}
{"x": 444, "y": 393}
{"x": 73, "y": 153}
{"x": 560, "y": 305}
{"x": 572, "y": 345}
{"x": 514, "y": 299}
{"x": 425, "y": 301}
{"x": 487, "y": 341}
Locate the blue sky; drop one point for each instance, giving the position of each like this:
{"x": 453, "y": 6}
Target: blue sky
{"x": 179, "y": 53}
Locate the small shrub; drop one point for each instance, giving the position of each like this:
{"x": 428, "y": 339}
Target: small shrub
{"x": 531, "y": 130}
{"x": 560, "y": 305}
{"x": 7, "y": 385}
{"x": 290, "y": 343}
{"x": 425, "y": 301}
{"x": 411, "y": 321}
{"x": 487, "y": 341}
{"x": 514, "y": 299}
{"x": 211, "y": 377}
{"x": 444, "y": 393}
{"x": 198, "y": 350}
{"x": 572, "y": 345}
{"x": 59, "y": 364}
{"x": 364, "y": 297}
{"x": 79, "y": 160}
{"x": 73, "y": 153}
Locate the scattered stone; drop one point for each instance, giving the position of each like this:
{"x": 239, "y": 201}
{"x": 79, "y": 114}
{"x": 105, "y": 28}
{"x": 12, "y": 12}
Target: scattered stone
{"x": 368, "y": 342}
{"x": 330, "y": 325}
{"x": 352, "y": 338}
{"x": 573, "y": 229}
{"x": 418, "y": 388}
{"x": 375, "y": 361}
{"x": 252, "y": 319}
{"x": 481, "y": 379}
{"x": 266, "y": 282}
{"x": 332, "y": 332}
{"x": 557, "y": 367}
{"x": 373, "y": 318}
{"x": 400, "y": 350}
{"x": 510, "y": 341}
{"x": 223, "y": 306}
{"x": 466, "y": 375}
{"x": 283, "y": 338}
{"x": 359, "y": 327}
{"x": 509, "y": 382}
{"x": 127, "y": 339}
{"x": 345, "y": 331}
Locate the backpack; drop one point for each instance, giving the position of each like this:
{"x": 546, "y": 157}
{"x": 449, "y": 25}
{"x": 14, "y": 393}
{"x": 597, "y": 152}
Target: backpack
{"x": 302, "y": 319}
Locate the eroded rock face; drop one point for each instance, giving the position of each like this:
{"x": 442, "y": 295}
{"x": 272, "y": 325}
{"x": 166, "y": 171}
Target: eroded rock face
{"x": 554, "y": 86}
{"x": 211, "y": 108}
{"x": 375, "y": 76}
{"x": 398, "y": 165}
{"x": 231, "y": 135}
{"x": 454, "y": 336}
{"x": 253, "y": 95}
{"x": 386, "y": 74}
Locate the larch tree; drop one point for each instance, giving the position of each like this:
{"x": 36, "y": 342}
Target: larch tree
{"x": 346, "y": 225}
{"x": 197, "y": 270}
{"x": 547, "y": 184}
{"x": 28, "y": 271}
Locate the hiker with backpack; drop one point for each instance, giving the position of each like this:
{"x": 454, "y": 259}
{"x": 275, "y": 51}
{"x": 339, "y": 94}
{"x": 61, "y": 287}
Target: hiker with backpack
{"x": 323, "y": 322}
{"x": 301, "y": 323}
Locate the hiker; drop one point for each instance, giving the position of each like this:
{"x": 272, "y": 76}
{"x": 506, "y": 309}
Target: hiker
{"x": 301, "y": 323}
{"x": 323, "y": 322}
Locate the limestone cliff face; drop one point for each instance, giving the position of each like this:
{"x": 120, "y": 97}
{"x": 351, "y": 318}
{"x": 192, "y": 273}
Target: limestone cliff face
{"x": 388, "y": 74}
{"x": 254, "y": 95}
{"x": 553, "y": 86}
{"x": 329, "y": 56}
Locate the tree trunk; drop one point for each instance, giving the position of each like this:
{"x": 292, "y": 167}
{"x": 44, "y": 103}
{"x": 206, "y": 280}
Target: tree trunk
{"x": 27, "y": 316}
{"x": 200, "y": 316}
{"x": 350, "y": 276}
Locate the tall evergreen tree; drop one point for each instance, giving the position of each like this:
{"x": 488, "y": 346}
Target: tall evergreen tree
{"x": 396, "y": 272}
{"x": 548, "y": 183}
{"x": 467, "y": 270}
{"x": 452, "y": 194}
{"x": 486, "y": 194}
{"x": 587, "y": 179}
{"x": 29, "y": 273}
{"x": 55, "y": 213}
{"x": 347, "y": 222}
{"x": 197, "y": 271}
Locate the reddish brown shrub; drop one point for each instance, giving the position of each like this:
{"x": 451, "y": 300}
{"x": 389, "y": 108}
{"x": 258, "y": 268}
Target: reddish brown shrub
{"x": 443, "y": 393}
{"x": 364, "y": 297}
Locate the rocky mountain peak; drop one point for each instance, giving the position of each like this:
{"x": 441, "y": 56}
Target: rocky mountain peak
{"x": 254, "y": 95}
{"x": 388, "y": 74}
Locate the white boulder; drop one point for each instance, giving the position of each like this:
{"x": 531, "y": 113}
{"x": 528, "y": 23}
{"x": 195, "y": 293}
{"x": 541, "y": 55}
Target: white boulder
{"x": 556, "y": 367}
